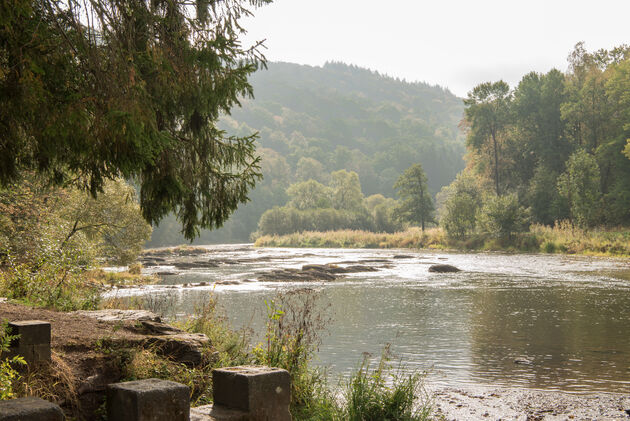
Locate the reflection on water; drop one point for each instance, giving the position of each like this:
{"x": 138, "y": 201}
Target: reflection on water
{"x": 548, "y": 322}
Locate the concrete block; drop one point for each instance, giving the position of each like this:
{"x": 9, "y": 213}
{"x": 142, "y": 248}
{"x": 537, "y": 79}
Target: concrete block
{"x": 148, "y": 400}
{"x": 31, "y": 332}
{"x": 30, "y": 409}
{"x": 33, "y": 342}
{"x": 263, "y": 392}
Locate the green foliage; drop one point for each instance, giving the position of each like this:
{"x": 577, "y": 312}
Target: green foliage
{"x": 533, "y": 141}
{"x": 346, "y": 191}
{"x": 8, "y": 372}
{"x": 55, "y": 280}
{"x": 96, "y": 90}
{"x": 309, "y": 195}
{"x": 501, "y": 216}
{"x": 579, "y": 185}
{"x": 460, "y": 203}
{"x": 417, "y": 203}
{"x": 374, "y": 394}
{"x": 487, "y": 114}
{"x": 112, "y": 222}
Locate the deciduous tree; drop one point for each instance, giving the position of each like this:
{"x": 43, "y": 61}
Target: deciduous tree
{"x": 487, "y": 113}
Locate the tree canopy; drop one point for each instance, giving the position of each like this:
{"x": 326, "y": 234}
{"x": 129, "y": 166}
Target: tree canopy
{"x": 95, "y": 90}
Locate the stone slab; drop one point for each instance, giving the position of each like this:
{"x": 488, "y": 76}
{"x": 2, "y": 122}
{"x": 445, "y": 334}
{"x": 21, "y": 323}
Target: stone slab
{"x": 148, "y": 400}
{"x": 30, "y": 409}
{"x": 217, "y": 413}
{"x": 263, "y": 392}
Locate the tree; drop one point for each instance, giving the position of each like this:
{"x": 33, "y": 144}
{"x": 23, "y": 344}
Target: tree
{"x": 95, "y": 90}
{"x": 310, "y": 168}
{"x": 347, "y": 193}
{"x": 487, "y": 114}
{"x": 579, "y": 185}
{"x": 502, "y": 215}
{"x": 112, "y": 222}
{"x": 461, "y": 201}
{"x": 309, "y": 195}
{"x": 417, "y": 203}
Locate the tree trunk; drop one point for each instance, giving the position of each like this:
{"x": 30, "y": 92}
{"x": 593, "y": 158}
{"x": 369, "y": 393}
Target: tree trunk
{"x": 496, "y": 162}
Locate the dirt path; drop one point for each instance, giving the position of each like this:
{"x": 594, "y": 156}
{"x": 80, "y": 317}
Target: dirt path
{"x": 528, "y": 405}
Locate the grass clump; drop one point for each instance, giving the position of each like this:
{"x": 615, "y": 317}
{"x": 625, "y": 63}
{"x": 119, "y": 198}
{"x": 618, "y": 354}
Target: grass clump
{"x": 382, "y": 393}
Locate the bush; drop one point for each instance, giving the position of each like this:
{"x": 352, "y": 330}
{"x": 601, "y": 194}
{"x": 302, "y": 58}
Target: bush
{"x": 8, "y": 373}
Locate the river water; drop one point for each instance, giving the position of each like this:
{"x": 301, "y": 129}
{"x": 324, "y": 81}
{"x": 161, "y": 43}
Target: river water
{"x": 532, "y": 321}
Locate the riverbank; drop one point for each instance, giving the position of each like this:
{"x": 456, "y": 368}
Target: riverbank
{"x": 562, "y": 239}
{"x": 528, "y": 405}
{"x": 90, "y": 352}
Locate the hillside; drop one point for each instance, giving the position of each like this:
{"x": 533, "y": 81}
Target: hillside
{"x": 339, "y": 117}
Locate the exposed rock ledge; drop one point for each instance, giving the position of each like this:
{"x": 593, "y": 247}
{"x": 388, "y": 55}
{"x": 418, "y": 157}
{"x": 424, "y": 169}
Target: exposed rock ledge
{"x": 169, "y": 341}
{"x": 328, "y": 272}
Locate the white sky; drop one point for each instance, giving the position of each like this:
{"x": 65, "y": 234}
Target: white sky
{"x": 453, "y": 43}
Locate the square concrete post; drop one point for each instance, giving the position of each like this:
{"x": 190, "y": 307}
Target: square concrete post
{"x": 30, "y": 409}
{"x": 148, "y": 400}
{"x": 33, "y": 342}
{"x": 263, "y": 392}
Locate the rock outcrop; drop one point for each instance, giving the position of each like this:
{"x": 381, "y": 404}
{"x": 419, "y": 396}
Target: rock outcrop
{"x": 307, "y": 273}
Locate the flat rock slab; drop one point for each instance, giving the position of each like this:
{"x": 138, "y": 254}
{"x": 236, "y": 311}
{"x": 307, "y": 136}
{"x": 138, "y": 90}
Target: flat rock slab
{"x": 148, "y": 400}
{"x": 30, "y": 409}
{"x": 217, "y": 413}
{"x": 114, "y": 315}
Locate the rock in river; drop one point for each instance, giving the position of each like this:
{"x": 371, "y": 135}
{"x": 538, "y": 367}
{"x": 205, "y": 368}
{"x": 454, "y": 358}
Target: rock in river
{"x": 443, "y": 268}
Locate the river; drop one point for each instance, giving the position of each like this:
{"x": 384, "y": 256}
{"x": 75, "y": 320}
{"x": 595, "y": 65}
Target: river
{"x": 547, "y": 322}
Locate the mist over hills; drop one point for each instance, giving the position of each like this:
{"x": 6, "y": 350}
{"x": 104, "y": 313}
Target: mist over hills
{"x": 340, "y": 117}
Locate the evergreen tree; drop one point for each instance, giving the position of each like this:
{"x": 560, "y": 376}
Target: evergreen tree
{"x": 94, "y": 90}
{"x": 416, "y": 202}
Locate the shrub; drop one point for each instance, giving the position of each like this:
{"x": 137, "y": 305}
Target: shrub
{"x": 8, "y": 372}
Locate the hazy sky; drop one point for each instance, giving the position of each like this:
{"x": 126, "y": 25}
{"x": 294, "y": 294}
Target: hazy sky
{"x": 452, "y": 43}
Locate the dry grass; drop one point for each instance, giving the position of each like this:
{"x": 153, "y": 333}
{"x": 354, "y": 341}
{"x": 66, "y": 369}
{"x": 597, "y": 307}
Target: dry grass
{"x": 565, "y": 238}
{"x": 133, "y": 276}
{"x": 411, "y": 238}
{"x": 561, "y": 238}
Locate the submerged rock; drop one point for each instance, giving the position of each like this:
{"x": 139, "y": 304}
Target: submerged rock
{"x": 442, "y": 268}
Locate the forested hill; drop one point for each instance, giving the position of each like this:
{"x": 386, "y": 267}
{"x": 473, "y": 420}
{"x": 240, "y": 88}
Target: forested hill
{"x": 314, "y": 120}
{"x": 351, "y": 118}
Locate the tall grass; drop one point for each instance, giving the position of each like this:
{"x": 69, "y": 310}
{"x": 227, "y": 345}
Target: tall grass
{"x": 384, "y": 393}
{"x": 411, "y": 238}
{"x": 561, "y": 238}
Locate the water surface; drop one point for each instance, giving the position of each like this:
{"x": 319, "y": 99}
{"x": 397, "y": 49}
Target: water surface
{"x": 532, "y": 321}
